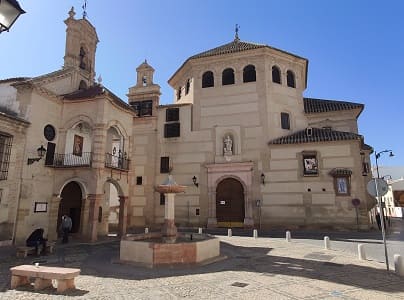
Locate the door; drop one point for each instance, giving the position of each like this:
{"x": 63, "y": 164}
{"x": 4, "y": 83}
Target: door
{"x": 71, "y": 205}
{"x": 230, "y": 203}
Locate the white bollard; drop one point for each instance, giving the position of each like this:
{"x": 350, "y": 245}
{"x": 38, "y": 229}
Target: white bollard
{"x": 146, "y": 230}
{"x": 326, "y": 243}
{"x": 229, "y": 234}
{"x": 361, "y": 252}
{"x": 398, "y": 265}
{"x": 255, "y": 233}
{"x": 288, "y": 236}
{"x": 200, "y": 230}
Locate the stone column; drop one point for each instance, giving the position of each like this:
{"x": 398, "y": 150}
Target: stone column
{"x": 169, "y": 229}
{"x": 94, "y": 202}
{"x": 123, "y": 215}
{"x": 53, "y": 217}
{"x": 212, "y": 220}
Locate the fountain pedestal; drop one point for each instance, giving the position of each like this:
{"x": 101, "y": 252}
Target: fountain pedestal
{"x": 169, "y": 247}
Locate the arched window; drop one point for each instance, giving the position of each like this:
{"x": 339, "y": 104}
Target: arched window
{"x": 228, "y": 76}
{"x": 290, "y": 79}
{"x": 187, "y": 86}
{"x": 208, "y": 79}
{"x": 82, "y": 58}
{"x": 276, "y": 74}
{"x": 249, "y": 74}
{"x": 83, "y": 85}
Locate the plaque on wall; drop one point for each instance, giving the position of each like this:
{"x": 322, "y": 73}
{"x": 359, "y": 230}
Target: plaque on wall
{"x": 49, "y": 132}
{"x": 41, "y": 207}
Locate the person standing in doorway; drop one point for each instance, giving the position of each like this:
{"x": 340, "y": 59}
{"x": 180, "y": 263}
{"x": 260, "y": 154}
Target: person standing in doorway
{"x": 66, "y": 227}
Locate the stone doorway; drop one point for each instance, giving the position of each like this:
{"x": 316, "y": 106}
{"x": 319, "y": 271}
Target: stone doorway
{"x": 71, "y": 205}
{"x": 230, "y": 203}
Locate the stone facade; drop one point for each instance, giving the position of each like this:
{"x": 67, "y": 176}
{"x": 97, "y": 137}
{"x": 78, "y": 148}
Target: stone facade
{"x": 238, "y": 122}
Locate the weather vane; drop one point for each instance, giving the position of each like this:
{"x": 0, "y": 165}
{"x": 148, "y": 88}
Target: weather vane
{"x": 237, "y": 29}
{"x": 84, "y": 9}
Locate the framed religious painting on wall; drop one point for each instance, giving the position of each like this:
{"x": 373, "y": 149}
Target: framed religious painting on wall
{"x": 78, "y": 145}
{"x": 310, "y": 164}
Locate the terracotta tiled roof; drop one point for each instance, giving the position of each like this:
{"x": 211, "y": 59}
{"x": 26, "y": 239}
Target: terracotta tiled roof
{"x": 314, "y": 135}
{"x": 94, "y": 91}
{"x": 14, "y": 79}
{"x": 340, "y": 172}
{"x": 312, "y": 105}
{"x": 232, "y": 47}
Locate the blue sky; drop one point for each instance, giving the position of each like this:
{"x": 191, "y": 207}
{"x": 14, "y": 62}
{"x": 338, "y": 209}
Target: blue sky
{"x": 355, "y": 48}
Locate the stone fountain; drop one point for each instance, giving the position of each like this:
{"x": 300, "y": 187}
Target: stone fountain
{"x": 169, "y": 247}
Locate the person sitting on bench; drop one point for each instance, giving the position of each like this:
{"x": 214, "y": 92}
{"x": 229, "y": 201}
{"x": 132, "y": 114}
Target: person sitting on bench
{"x": 35, "y": 239}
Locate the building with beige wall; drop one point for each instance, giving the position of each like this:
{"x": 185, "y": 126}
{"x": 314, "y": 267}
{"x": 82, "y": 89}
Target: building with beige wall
{"x": 252, "y": 151}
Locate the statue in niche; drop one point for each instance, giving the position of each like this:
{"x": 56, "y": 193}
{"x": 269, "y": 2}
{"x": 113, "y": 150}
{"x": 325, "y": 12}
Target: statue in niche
{"x": 228, "y": 145}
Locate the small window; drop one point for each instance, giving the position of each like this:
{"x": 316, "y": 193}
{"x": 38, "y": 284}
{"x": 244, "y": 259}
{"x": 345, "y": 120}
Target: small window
{"x": 5, "y": 152}
{"x": 82, "y": 58}
{"x": 208, "y": 79}
{"x": 249, "y": 74}
{"x": 342, "y": 185}
{"x": 164, "y": 164}
{"x": 139, "y": 180}
{"x": 162, "y": 199}
{"x": 171, "y": 130}
{"x": 285, "y": 122}
{"x": 1, "y": 195}
{"x": 290, "y": 79}
{"x": 187, "y": 86}
{"x": 310, "y": 164}
{"x": 179, "y": 93}
{"x": 228, "y": 76}
{"x": 172, "y": 114}
{"x": 276, "y": 75}
{"x": 197, "y": 211}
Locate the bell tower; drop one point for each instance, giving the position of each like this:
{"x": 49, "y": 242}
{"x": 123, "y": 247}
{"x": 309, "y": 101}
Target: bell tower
{"x": 81, "y": 45}
{"x": 145, "y": 95}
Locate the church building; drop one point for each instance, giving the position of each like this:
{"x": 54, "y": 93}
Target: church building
{"x": 251, "y": 150}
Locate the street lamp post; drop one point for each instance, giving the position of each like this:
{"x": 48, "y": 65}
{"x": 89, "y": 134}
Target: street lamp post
{"x": 381, "y": 204}
{"x": 10, "y": 10}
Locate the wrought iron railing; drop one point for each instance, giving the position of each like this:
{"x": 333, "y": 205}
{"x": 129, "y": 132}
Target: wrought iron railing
{"x": 71, "y": 160}
{"x": 117, "y": 161}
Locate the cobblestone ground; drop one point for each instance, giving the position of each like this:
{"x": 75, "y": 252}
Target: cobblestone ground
{"x": 260, "y": 268}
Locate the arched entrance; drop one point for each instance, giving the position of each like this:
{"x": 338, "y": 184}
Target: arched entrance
{"x": 111, "y": 210}
{"x": 230, "y": 209}
{"x": 71, "y": 205}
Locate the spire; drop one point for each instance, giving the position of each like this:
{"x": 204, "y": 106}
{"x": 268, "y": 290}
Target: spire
{"x": 236, "y": 38}
{"x": 84, "y": 7}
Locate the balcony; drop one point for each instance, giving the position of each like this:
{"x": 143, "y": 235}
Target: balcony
{"x": 119, "y": 162}
{"x": 70, "y": 160}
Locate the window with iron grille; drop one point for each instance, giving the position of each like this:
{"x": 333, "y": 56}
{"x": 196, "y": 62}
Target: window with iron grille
{"x": 172, "y": 114}
{"x": 164, "y": 164}
{"x": 171, "y": 130}
{"x": 143, "y": 108}
{"x": 5, "y": 151}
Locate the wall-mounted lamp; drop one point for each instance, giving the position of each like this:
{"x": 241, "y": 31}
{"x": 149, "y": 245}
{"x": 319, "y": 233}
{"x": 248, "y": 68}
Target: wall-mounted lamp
{"x": 194, "y": 181}
{"x": 41, "y": 153}
{"x": 262, "y": 178}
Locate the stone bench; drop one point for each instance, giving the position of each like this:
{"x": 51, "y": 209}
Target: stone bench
{"x": 23, "y": 251}
{"x": 20, "y": 275}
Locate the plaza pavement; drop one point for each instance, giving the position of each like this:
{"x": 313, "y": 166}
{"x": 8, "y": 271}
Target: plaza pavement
{"x": 262, "y": 268}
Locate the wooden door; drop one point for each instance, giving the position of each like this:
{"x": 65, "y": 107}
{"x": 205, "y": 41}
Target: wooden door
{"x": 230, "y": 203}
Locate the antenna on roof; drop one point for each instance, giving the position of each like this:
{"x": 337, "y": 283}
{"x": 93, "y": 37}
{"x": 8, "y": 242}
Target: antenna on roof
{"x": 236, "y": 38}
{"x": 84, "y": 7}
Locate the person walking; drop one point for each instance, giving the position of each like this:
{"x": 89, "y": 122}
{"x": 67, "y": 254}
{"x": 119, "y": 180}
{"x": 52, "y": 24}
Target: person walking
{"x": 66, "y": 227}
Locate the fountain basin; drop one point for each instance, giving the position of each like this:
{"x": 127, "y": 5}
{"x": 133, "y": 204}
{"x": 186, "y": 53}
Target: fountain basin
{"x": 152, "y": 250}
